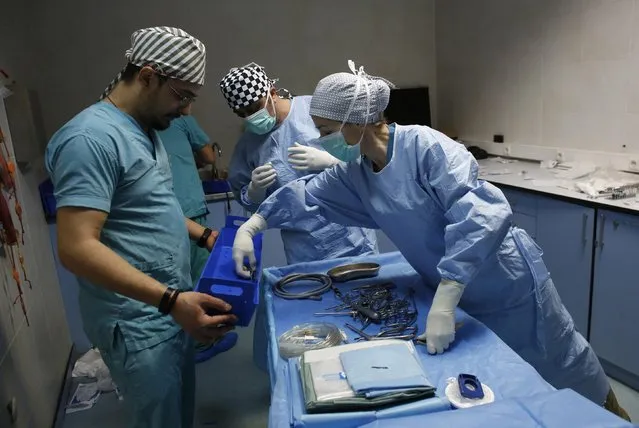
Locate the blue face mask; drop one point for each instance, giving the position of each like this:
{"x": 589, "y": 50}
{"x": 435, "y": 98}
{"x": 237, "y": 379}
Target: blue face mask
{"x": 336, "y": 145}
{"x": 261, "y": 122}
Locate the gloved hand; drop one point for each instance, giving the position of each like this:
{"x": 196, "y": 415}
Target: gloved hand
{"x": 305, "y": 157}
{"x": 440, "y": 323}
{"x": 261, "y": 178}
{"x": 243, "y": 244}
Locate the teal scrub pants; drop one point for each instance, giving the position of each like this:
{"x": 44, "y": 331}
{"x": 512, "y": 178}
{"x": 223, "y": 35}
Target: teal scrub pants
{"x": 199, "y": 256}
{"x": 157, "y": 383}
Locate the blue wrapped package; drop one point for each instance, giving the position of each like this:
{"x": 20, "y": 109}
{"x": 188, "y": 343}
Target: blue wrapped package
{"x": 385, "y": 369}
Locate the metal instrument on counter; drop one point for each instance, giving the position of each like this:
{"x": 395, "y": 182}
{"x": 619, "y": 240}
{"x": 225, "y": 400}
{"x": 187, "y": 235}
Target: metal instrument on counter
{"x": 623, "y": 192}
{"x": 620, "y": 192}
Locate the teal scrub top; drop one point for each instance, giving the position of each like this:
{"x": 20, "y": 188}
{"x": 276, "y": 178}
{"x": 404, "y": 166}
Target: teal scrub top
{"x": 181, "y": 139}
{"x": 102, "y": 160}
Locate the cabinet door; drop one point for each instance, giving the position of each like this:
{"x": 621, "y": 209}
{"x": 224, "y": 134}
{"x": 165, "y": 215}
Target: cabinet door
{"x": 565, "y": 233}
{"x": 524, "y": 208}
{"x": 615, "y": 318}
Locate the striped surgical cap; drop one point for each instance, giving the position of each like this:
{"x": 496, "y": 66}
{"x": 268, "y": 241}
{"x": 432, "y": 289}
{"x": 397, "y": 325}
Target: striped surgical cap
{"x": 171, "y": 51}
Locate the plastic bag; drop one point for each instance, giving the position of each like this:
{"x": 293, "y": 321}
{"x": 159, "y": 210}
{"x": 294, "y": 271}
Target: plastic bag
{"x": 91, "y": 365}
{"x": 85, "y": 397}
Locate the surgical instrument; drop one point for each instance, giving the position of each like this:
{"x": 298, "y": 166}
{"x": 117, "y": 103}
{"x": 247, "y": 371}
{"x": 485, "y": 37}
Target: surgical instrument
{"x": 313, "y": 294}
{"x": 365, "y": 336}
{"x": 322, "y": 314}
{"x": 385, "y": 286}
{"x": 353, "y": 271}
{"x": 252, "y": 271}
{"x": 377, "y": 303}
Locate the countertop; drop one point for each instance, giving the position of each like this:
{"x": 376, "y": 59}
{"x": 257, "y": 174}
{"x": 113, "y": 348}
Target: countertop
{"x": 530, "y": 176}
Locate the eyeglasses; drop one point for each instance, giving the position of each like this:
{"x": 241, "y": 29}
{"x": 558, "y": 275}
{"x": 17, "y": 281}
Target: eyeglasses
{"x": 185, "y": 100}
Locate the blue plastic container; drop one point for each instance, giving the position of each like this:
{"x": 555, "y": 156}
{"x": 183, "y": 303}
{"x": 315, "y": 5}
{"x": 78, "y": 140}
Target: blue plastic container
{"x": 215, "y": 186}
{"x": 47, "y": 198}
{"x": 220, "y": 280}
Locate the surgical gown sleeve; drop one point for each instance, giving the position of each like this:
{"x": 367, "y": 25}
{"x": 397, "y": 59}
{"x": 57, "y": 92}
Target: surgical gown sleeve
{"x": 329, "y": 194}
{"x": 477, "y": 213}
{"x": 240, "y": 176}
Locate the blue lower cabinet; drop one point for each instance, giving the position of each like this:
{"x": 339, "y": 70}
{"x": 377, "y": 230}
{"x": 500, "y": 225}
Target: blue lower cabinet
{"x": 524, "y": 207}
{"x": 616, "y": 294}
{"x": 565, "y": 232}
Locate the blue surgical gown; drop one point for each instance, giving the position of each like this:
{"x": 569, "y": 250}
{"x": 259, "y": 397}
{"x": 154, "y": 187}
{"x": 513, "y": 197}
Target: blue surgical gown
{"x": 309, "y": 237}
{"x": 449, "y": 224}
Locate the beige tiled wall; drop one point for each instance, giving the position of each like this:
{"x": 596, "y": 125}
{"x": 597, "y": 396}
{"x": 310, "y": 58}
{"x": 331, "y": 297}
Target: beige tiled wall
{"x": 543, "y": 72}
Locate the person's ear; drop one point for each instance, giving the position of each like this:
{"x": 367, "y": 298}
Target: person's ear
{"x": 145, "y": 75}
{"x": 273, "y": 93}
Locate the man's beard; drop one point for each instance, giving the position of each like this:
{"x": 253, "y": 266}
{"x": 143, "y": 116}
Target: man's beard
{"x": 162, "y": 123}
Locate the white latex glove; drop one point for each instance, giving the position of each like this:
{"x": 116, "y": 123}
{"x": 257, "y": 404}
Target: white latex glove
{"x": 261, "y": 178}
{"x": 305, "y": 157}
{"x": 243, "y": 244}
{"x": 440, "y": 323}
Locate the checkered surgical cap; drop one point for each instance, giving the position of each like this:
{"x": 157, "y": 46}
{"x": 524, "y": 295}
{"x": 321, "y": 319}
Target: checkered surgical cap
{"x": 352, "y": 97}
{"x": 242, "y": 86}
{"x": 171, "y": 51}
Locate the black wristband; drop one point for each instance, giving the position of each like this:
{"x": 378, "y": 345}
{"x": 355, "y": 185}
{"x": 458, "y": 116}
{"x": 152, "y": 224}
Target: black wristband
{"x": 205, "y": 237}
{"x": 166, "y": 298}
{"x": 174, "y": 297}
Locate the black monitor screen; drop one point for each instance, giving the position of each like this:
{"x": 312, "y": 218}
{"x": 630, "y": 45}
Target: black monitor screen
{"x": 409, "y": 106}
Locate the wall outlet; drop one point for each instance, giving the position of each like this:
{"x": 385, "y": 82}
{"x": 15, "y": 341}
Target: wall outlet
{"x": 560, "y": 157}
{"x": 507, "y": 151}
{"x": 633, "y": 165}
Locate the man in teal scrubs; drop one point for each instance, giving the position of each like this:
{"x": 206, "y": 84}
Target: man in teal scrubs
{"x": 182, "y": 140}
{"x": 122, "y": 232}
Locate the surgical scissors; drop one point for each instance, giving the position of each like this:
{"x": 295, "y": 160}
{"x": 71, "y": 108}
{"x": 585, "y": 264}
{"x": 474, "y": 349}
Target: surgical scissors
{"x": 383, "y": 335}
